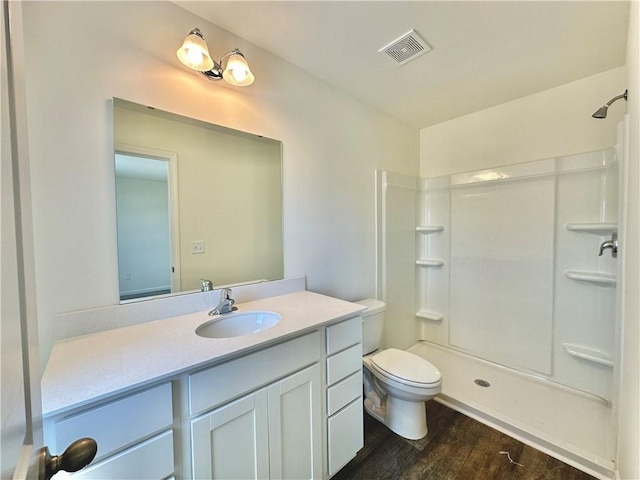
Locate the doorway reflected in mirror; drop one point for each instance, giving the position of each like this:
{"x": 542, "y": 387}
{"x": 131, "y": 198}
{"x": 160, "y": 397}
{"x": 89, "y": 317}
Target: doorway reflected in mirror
{"x": 144, "y": 225}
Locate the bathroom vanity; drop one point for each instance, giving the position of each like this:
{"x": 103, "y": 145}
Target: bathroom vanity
{"x": 163, "y": 402}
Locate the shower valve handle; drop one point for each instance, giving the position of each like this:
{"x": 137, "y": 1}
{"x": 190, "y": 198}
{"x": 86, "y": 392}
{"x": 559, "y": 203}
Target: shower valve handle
{"x": 612, "y": 244}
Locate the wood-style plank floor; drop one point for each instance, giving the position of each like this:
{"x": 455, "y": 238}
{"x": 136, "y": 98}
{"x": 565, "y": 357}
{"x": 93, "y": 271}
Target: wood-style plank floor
{"x": 456, "y": 448}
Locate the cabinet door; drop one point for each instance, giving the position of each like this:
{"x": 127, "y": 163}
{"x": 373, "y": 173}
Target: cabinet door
{"x": 295, "y": 422}
{"x": 233, "y": 440}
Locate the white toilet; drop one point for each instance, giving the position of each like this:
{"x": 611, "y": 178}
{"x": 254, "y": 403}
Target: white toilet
{"x": 396, "y": 383}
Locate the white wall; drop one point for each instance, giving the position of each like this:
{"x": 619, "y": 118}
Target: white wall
{"x": 144, "y": 247}
{"x": 556, "y": 122}
{"x": 629, "y": 422}
{"x": 81, "y": 54}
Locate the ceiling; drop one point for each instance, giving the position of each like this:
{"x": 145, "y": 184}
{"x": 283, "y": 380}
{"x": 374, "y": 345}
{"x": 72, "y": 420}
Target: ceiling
{"x": 483, "y": 53}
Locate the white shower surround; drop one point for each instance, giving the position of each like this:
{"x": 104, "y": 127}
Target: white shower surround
{"x": 549, "y": 355}
{"x": 565, "y": 423}
{"x": 519, "y": 245}
{"x": 501, "y": 270}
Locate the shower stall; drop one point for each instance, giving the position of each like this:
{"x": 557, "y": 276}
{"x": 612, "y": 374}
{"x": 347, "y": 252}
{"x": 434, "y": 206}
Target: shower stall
{"x": 505, "y": 279}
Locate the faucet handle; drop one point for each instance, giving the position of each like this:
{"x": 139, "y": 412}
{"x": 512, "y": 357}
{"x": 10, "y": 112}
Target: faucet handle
{"x": 206, "y": 285}
{"x": 612, "y": 244}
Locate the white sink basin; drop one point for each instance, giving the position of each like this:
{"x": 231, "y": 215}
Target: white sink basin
{"x": 237, "y": 324}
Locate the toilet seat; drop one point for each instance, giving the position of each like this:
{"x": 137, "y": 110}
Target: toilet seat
{"x": 406, "y": 368}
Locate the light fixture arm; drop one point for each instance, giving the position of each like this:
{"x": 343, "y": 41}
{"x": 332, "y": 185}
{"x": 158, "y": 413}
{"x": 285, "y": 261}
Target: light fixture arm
{"x": 215, "y": 73}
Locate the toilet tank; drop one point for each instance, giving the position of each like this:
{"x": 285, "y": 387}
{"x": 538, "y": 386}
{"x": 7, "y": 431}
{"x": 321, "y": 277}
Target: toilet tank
{"x": 372, "y": 322}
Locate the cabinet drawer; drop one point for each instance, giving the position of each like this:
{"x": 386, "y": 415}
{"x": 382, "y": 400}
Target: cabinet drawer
{"x": 345, "y": 435}
{"x": 150, "y": 460}
{"x": 344, "y": 392}
{"x": 219, "y": 384}
{"x": 344, "y": 334}
{"x": 118, "y": 424}
{"x": 344, "y": 364}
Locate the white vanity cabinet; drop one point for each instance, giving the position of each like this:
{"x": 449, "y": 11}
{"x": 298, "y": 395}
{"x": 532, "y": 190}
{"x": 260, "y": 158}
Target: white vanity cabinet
{"x": 344, "y": 392}
{"x": 289, "y": 409}
{"x": 134, "y": 435}
{"x": 274, "y": 430}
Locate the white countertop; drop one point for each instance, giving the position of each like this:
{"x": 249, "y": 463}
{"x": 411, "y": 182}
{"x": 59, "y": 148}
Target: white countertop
{"x": 84, "y": 369}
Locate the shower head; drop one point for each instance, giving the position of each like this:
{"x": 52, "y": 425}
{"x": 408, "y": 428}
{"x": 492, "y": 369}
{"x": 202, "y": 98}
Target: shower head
{"x": 602, "y": 111}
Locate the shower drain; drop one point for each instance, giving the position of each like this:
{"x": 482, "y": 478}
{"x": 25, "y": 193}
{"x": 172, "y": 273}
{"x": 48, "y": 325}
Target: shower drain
{"x": 481, "y": 383}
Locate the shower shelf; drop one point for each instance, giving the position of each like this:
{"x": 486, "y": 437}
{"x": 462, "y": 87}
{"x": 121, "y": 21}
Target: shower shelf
{"x": 427, "y": 315}
{"x": 601, "y": 279}
{"x": 426, "y": 262}
{"x": 589, "y": 354}
{"x": 429, "y": 229}
{"x": 595, "y": 228}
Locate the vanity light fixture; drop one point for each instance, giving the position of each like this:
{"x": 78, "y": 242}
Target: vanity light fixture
{"x": 194, "y": 53}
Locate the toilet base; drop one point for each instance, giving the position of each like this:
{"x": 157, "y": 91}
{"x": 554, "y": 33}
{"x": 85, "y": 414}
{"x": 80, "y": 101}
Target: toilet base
{"x": 407, "y": 419}
{"x": 374, "y": 411}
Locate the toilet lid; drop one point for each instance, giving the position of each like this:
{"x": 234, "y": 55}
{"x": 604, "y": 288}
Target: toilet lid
{"x": 406, "y": 367}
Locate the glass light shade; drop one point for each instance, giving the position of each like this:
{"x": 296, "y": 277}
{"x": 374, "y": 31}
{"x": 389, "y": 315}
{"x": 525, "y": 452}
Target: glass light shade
{"x": 237, "y": 71}
{"x": 194, "y": 53}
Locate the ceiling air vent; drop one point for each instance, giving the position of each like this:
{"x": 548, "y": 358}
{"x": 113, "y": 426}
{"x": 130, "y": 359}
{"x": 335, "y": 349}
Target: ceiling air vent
{"x": 406, "y": 48}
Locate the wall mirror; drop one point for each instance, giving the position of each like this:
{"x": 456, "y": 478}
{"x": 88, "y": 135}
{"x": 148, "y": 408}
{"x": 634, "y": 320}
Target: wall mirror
{"x": 194, "y": 202}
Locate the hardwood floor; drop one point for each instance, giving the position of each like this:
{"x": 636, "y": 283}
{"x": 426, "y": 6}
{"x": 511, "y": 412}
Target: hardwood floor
{"x": 456, "y": 448}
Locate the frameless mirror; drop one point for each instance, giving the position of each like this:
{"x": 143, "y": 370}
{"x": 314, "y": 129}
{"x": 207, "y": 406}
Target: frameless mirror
{"x": 195, "y": 202}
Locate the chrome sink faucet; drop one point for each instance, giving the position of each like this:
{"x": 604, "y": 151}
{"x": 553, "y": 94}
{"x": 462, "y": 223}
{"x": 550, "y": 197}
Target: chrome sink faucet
{"x": 226, "y": 304}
